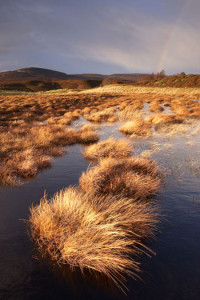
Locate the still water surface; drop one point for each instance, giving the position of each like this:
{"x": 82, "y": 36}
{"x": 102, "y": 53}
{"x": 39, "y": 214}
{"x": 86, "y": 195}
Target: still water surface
{"x": 174, "y": 273}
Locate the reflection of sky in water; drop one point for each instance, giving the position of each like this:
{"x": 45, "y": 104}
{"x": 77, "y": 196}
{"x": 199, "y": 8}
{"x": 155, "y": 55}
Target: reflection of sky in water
{"x": 174, "y": 273}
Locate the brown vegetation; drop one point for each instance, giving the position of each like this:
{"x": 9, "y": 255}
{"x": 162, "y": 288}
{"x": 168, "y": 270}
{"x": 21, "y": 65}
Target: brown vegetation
{"x": 155, "y": 107}
{"x": 138, "y": 127}
{"x": 103, "y": 234}
{"x": 129, "y": 112}
{"x": 133, "y": 177}
{"x": 26, "y": 149}
{"x": 102, "y": 116}
{"x": 108, "y": 148}
{"x": 163, "y": 119}
{"x": 180, "y": 109}
{"x": 37, "y": 122}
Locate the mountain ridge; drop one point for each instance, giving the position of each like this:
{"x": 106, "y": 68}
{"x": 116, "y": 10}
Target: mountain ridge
{"x": 42, "y": 73}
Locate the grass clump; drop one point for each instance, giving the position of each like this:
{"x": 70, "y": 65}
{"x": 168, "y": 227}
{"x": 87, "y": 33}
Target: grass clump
{"x": 129, "y": 112}
{"x": 104, "y": 115}
{"x": 160, "y": 119}
{"x": 102, "y": 234}
{"x": 87, "y": 134}
{"x": 108, "y": 148}
{"x": 137, "y": 127}
{"x": 180, "y": 110}
{"x": 155, "y": 107}
{"x": 132, "y": 177}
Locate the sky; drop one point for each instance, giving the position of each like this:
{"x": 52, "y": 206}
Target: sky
{"x": 102, "y": 37}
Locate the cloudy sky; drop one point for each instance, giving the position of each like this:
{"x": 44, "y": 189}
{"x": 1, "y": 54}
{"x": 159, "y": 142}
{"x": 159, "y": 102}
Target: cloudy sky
{"x": 105, "y": 36}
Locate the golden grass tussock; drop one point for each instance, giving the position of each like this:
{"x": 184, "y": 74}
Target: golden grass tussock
{"x": 138, "y": 105}
{"x": 87, "y": 137}
{"x": 137, "y": 127}
{"x": 87, "y": 127}
{"x": 130, "y": 113}
{"x": 108, "y": 148}
{"x": 102, "y": 115}
{"x": 132, "y": 177}
{"x": 87, "y": 134}
{"x": 163, "y": 119}
{"x": 155, "y": 107}
{"x": 180, "y": 110}
{"x": 103, "y": 234}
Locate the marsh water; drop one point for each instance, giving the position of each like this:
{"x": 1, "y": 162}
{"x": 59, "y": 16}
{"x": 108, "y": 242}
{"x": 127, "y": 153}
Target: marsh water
{"x": 173, "y": 273}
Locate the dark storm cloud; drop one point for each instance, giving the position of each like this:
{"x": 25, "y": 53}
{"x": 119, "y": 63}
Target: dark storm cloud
{"x": 100, "y": 36}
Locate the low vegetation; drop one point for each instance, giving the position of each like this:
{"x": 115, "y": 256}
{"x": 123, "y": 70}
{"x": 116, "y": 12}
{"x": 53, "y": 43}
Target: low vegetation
{"x": 131, "y": 177}
{"x": 26, "y": 149}
{"x": 34, "y": 127}
{"x": 108, "y": 148}
{"x": 103, "y": 234}
{"x": 137, "y": 127}
{"x": 160, "y": 119}
{"x": 155, "y": 107}
{"x": 106, "y": 115}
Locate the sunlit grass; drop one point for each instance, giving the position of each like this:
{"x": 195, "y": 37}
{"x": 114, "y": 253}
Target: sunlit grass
{"x": 103, "y": 234}
{"x": 38, "y": 122}
{"x": 26, "y": 149}
{"x": 137, "y": 127}
{"x": 108, "y": 148}
{"x": 132, "y": 177}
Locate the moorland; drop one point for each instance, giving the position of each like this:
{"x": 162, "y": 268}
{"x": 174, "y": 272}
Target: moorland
{"x": 103, "y": 222}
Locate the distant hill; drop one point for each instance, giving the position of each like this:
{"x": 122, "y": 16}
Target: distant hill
{"x": 39, "y": 79}
{"x": 40, "y": 73}
{"x": 32, "y": 73}
{"x": 129, "y": 76}
{"x": 46, "y": 85}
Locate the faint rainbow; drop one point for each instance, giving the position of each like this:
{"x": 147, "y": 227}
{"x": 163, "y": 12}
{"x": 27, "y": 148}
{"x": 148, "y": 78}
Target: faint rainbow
{"x": 171, "y": 35}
